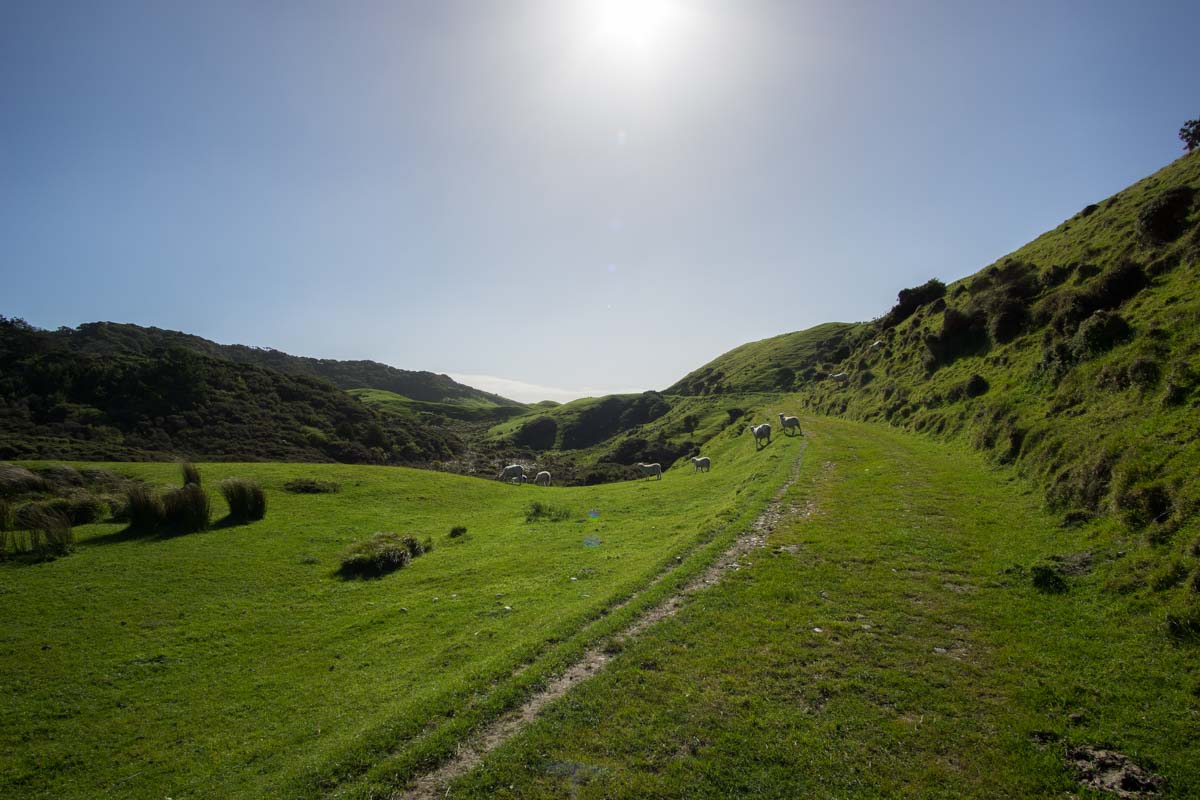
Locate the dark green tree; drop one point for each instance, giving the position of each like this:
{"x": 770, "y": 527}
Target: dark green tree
{"x": 1190, "y": 134}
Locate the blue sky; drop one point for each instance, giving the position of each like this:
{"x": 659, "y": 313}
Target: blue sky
{"x": 581, "y": 196}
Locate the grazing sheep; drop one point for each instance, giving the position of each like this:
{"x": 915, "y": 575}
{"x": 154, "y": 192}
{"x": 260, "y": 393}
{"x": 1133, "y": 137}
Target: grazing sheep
{"x": 875, "y": 345}
{"x": 790, "y": 422}
{"x": 650, "y": 469}
{"x": 841, "y": 377}
{"x": 542, "y": 478}
{"x": 701, "y": 464}
{"x": 761, "y": 432}
{"x": 511, "y": 471}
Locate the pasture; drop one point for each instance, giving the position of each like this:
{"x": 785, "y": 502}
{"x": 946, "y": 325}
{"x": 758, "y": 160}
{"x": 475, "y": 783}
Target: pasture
{"x": 888, "y": 641}
{"x": 234, "y": 662}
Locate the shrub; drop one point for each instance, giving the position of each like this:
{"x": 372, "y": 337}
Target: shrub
{"x": 1116, "y": 285}
{"x": 457, "y": 531}
{"x": 1164, "y": 218}
{"x": 975, "y": 386}
{"x": 40, "y": 531}
{"x": 145, "y": 509}
{"x": 963, "y": 333}
{"x": 1007, "y": 319}
{"x": 187, "y": 509}
{"x": 1189, "y": 134}
{"x": 311, "y": 486}
{"x": 538, "y": 510}
{"x": 377, "y": 556}
{"x": 191, "y": 473}
{"x": 1180, "y": 382}
{"x": 1048, "y": 578}
{"x": 537, "y": 434}
{"x": 1143, "y": 372}
{"x": 80, "y": 508}
{"x": 909, "y": 300}
{"x": 1140, "y": 505}
{"x": 415, "y": 547}
{"x": 1099, "y": 333}
{"x": 246, "y": 499}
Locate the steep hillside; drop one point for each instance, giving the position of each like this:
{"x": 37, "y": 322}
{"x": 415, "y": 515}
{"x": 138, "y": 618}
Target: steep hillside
{"x": 58, "y": 402}
{"x": 111, "y": 338}
{"x": 1077, "y": 358}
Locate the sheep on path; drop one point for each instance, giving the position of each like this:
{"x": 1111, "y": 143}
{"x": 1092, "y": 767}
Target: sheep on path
{"x": 650, "y": 469}
{"x": 761, "y": 432}
{"x": 510, "y": 472}
{"x": 701, "y": 464}
{"x": 542, "y": 478}
{"x": 790, "y": 422}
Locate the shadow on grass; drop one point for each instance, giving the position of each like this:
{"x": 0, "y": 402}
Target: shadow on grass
{"x": 132, "y": 534}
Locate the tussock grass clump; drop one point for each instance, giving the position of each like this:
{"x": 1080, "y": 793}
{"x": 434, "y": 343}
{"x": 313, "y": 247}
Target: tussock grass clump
{"x": 18, "y": 480}
{"x": 144, "y": 509}
{"x": 1143, "y": 504}
{"x": 538, "y": 510}
{"x": 60, "y": 475}
{"x": 379, "y": 555}
{"x": 311, "y": 486}
{"x": 1183, "y": 623}
{"x": 6, "y": 515}
{"x": 40, "y": 531}
{"x": 1099, "y": 333}
{"x": 79, "y": 507}
{"x": 246, "y": 498}
{"x": 1169, "y": 576}
{"x": 1164, "y": 218}
{"x": 187, "y": 509}
{"x": 457, "y": 531}
{"x": 191, "y": 473}
{"x": 1048, "y": 578}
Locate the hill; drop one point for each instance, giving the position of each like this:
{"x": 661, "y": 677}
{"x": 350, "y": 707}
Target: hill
{"x": 111, "y": 338}
{"x": 60, "y": 401}
{"x": 1076, "y": 358}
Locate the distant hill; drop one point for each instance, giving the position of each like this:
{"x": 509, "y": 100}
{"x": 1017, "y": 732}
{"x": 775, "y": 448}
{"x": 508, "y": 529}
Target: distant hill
{"x": 59, "y": 399}
{"x": 112, "y": 338}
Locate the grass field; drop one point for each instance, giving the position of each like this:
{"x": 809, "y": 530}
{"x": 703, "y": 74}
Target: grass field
{"x": 235, "y": 663}
{"x": 887, "y": 643}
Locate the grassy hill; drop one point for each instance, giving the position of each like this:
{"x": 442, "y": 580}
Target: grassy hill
{"x": 110, "y": 338}
{"x": 236, "y": 663}
{"x": 58, "y": 401}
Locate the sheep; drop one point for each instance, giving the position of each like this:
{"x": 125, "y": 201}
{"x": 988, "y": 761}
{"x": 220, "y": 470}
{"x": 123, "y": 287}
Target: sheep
{"x": 701, "y": 464}
{"x": 841, "y": 377}
{"x": 761, "y": 432}
{"x": 790, "y": 422}
{"x": 650, "y": 469}
{"x": 511, "y": 471}
{"x": 542, "y": 478}
{"x": 875, "y": 345}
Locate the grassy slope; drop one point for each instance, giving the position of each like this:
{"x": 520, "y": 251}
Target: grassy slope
{"x": 470, "y": 409}
{"x": 934, "y": 662}
{"x": 233, "y": 663}
{"x": 753, "y": 367}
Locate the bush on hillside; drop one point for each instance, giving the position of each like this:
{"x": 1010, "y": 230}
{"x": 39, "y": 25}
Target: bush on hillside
{"x": 144, "y": 509}
{"x": 457, "y": 531}
{"x": 1099, "y": 333}
{"x": 963, "y": 333}
{"x": 1181, "y": 381}
{"x": 1048, "y": 578}
{"x": 1142, "y": 504}
{"x": 246, "y": 498}
{"x": 38, "y": 531}
{"x": 909, "y": 300}
{"x": 1007, "y": 319}
{"x": 1144, "y": 372}
{"x": 1116, "y": 285}
{"x": 376, "y": 557}
{"x": 311, "y": 486}
{"x": 187, "y": 509}
{"x": 1164, "y": 217}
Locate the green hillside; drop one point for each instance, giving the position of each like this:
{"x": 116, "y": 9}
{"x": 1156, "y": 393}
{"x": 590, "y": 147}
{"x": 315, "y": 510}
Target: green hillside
{"x": 57, "y": 401}
{"x": 110, "y": 338}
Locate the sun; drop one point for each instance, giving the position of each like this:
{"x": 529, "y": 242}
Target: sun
{"x": 632, "y": 27}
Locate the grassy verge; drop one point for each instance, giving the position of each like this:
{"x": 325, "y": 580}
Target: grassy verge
{"x": 890, "y": 642}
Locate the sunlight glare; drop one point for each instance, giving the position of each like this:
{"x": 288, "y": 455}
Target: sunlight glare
{"x": 633, "y": 28}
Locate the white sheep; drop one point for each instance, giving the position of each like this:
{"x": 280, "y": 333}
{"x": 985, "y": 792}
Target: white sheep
{"x": 761, "y": 432}
{"x": 511, "y": 471}
{"x": 790, "y": 422}
{"x": 650, "y": 469}
{"x": 542, "y": 478}
{"x": 875, "y": 345}
{"x": 700, "y": 464}
{"x": 841, "y": 377}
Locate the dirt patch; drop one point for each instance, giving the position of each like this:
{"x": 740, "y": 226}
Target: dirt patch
{"x": 1074, "y": 564}
{"x": 470, "y": 753}
{"x": 1110, "y": 771}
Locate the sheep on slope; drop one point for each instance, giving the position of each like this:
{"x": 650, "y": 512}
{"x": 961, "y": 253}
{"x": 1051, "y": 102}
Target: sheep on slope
{"x": 700, "y": 464}
{"x": 789, "y": 423}
{"x": 650, "y": 469}
{"x": 761, "y": 432}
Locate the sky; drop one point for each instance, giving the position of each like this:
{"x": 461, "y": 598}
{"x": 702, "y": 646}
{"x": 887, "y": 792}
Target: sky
{"x": 554, "y": 198}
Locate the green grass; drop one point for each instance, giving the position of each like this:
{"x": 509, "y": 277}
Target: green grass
{"x": 235, "y": 663}
{"x": 469, "y": 409}
{"x": 888, "y": 643}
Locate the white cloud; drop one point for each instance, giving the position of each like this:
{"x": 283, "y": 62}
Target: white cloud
{"x": 533, "y": 392}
